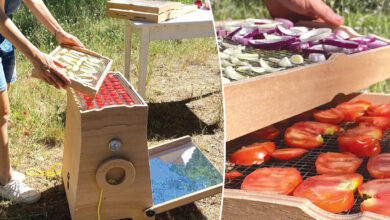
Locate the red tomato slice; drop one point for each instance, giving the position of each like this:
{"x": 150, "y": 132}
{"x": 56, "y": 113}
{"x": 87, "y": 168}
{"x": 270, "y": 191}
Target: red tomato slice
{"x": 288, "y": 153}
{"x": 267, "y": 133}
{"x": 378, "y": 121}
{"x": 272, "y": 180}
{"x": 375, "y": 189}
{"x": 319, "y": 127}
{"x": 379, "y": 110}
{"x": 333, "y": 116}
{"x": 379, "y": 166}
{"x": 232, "y": 175}
{"x": 333, "y": 193}
{"x": 353, "y": 110}
{"x": 255, "y": 153}
{"x": 376, "y": 205}
{"x": 337, "y": 163}
{"x": 361, "y": 141}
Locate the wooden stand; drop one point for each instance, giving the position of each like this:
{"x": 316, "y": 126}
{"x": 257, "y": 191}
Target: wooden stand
{"x": 260, "y": 101}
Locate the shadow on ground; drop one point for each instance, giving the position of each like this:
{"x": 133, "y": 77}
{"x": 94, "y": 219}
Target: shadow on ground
{"x": 54, "y": 206}
{"x": 169, "y": 120}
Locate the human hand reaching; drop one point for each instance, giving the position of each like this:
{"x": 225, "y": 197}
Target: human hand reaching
{"x": 303, "y": 10}
{"x": 65, "y": 38}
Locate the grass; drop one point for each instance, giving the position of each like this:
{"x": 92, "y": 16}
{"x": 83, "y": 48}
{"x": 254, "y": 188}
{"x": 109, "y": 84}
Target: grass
{"x": 183, "y": 90}
{"x": 372, "y": 16}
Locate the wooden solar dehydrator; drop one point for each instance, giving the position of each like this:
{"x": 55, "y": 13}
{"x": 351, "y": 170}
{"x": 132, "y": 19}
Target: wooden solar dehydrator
{"x": 287, "y": 96}
{"x": 106, "y": 152}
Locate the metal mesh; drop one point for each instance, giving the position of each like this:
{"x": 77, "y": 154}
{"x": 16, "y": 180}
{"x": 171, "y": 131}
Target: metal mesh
{"x": 304, "y": 164}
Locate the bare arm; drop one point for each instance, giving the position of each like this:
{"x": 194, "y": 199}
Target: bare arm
{"x": 40, "y": 11}
{"x": 41, "y": 61}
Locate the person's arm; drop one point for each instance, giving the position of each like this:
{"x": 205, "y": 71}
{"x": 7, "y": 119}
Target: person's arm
{"x": 40, "y": 11}
{"x": 303, "y": 9}
{"x": 45, "y": 65}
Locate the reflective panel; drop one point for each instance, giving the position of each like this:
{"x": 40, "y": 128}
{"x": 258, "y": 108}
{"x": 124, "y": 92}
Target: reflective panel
{"x": 180, "y": 171}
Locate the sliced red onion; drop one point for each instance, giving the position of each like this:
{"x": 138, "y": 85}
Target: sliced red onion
{"x": 361, "y": 48}
{"x": 315, "y": 34}
{"x": 342, "y": 34}
{"x": 300, "y": 29}
{"x": 317, "y": 57}
{"x": 272, "y": 44}
{"x": 363, "y": 40}
{"x": 233, "y": 33}
{"x": 222, "y": 33}
{"x": 299, "y": 46}
{"x": 286, "y": 23}
{"x": 316, "y": 49}
{"x": 259, "y": 21}
{"x": 231, "y": 26}
{"x": 288, "y": 32}
{"x": 377, "y": 44}
{"x": 333, "y": 49}
{"x": 341, "y": 43}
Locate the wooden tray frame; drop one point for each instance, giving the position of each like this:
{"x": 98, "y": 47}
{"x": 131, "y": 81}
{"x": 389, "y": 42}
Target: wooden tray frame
{"x": 81, "y": 87}
{"x": 189, "y": 198}
{"x": 260, "y": 101}
{"x": 239, "y": 204}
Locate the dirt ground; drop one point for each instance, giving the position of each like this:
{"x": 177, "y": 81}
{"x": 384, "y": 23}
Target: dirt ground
{"x": 184, "y": 100}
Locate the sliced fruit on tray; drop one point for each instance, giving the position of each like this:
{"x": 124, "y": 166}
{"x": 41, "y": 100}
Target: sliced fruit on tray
{"x": 337, "y": 163}
{"x": 375, "y": 189}
{"x": 361, "y": 141}
{"x": 288, "y": 153}
{"x": 267, "y": 133}
{"x": 378, "y": 121}
{"x": 379, "y": 110}
{"x": 379, "y": 166}
{"x": 307, "y": 134}
{"x": 272, "y": 180}
{"x": 353, "y": 110}
{"x": 333, "y": 116}
{"x": 333, "y": 193}
{"x": 376, "y": 205}
{"x": 255, "y": 153}
{"x": 232, "y": 175}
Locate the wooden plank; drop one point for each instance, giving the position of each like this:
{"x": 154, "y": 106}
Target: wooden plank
{"x": 198, "y": 195}
{"x": 244, "y": 205}
{"x": 155, "y": 7}
{"x": 171, "y": 144}
{"x": 149, "y": 17}
{"x": 257, "y": 102}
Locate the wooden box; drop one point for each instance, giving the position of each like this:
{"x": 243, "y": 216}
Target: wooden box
{"x": 257, "y": 102}
{"x": 244, "y": 205}
{"x": 87, "y": 88}
{"x": 106, "y": 158}
{"x": 107, "y": 149}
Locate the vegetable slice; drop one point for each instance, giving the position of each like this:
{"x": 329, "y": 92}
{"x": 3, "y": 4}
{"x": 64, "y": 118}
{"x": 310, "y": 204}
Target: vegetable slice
{"x": 376, "y": 205}
{"x": 375, "y": 189}
{"x": 255, "y": 153}
{"x": 337, "y": 163}
{"x": 272, "y": 44}
{"x": 265, "y": 65}
{"x": 288, "y": 153}
{"x": 231, "y": 73}
{"x": 272, "y": 180}
{"x": 232, "y": 175}
{"x": 315, "y": 34}
{"x": 379, "y": 166}
{"x": 333, "y": 116}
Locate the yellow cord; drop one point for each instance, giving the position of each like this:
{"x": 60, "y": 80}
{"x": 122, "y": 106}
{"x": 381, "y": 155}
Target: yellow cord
{"x": 100, "y": 203}
{"x": 51, "y": 172}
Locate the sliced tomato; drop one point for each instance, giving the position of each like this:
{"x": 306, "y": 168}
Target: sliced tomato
{"x": 232, "y": 175}
{"x": 353, "y": 110}
{"x": 333, "y": 193}
{"x": 379, "y": 166}
{"x": 378, "y": 121}
{"x": 361, "y": 141}
{"x": 333, "y": 116}
{"x": 288, "y": 153}
{"x": 255, "y": 153}
{"x": 337, "y": 163}
{"x": 377, "y": 205}
{"x": 375, "y": 189}
{"x": 379, "y": 110}
{"x": 319, "y": 127}
{"x": 307, "y": 134}
{"x": 267, "y": 133}
{"x": 272, "y": 180}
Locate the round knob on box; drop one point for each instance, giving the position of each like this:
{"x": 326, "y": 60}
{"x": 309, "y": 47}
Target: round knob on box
{"x": 115, "y": 174}
{"x": 115, "y": 144}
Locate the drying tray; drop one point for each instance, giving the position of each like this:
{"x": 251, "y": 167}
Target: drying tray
{"x": 259, "y": 101}
{"x": 272, "y": 206}
{"x": 90, "y": 90}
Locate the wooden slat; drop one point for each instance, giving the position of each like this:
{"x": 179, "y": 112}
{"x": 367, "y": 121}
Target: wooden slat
{"x": 155, "y": 7}
{"x": 257, "y": 102}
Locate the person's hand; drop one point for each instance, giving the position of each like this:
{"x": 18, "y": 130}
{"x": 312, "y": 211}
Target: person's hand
{"x": 65, "y": 38}
{"x": 46, "y": 69}
{"x": 303, "y": 9}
